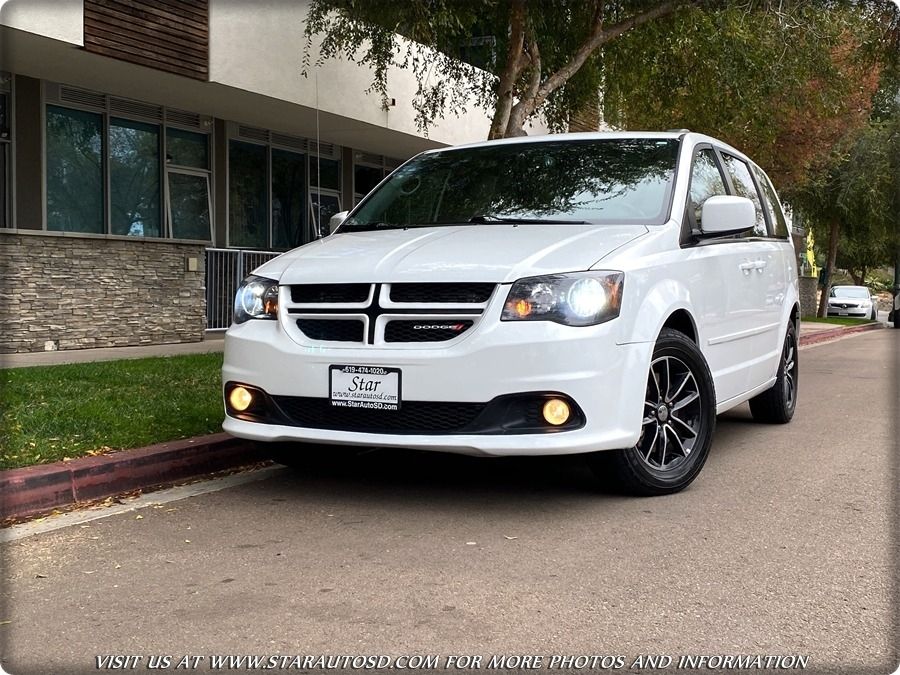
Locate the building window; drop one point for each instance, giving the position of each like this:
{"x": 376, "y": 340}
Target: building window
{"x": 368, "y": 171}
{"x": 248, "y": 218}
{"x": 105, "y": 173}
{"x": 74, "y": 170}
{"x": 274, "y": 192}
{"x": 5, "y": 158}
{"x": 134, "y": 186}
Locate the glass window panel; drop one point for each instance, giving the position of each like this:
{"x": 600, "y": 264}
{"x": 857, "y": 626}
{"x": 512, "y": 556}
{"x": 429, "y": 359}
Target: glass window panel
{"x": 186, "y": 148}
{"x": 189, "y": 206}
{"x": 4, "y": 116}
{"x": 325, "y": 204}
{"x": 365, "y": 178}
{"x": 4, "y": 184}
{"x": 744, "y": 187}
{"x": 706, "y": 182}
{"x": 330, "y": 170}
{"x": 134, "y": 178}
{"x": 248, "y": 215}
{"x": 288, "y": 199}
{"x": 776, "y": 215}
{"x": 74, "y": 171}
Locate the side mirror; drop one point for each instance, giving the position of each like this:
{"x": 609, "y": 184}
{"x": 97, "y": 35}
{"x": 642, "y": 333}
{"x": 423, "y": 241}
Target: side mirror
{"x": 725, "y": 214}
{"x": 335, "y": 221}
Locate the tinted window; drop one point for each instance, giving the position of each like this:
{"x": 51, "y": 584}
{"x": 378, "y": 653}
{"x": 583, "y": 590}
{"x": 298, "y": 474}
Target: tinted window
{"x": 706, "y": 182}
{"x": 134, "y": 178}
{"x": 776, "y": 215}
{"x": 745, "y": 187}
{"x": 248, "y": 214}
{"x": 74, "y": 170}
{"x": 598, "y": 181}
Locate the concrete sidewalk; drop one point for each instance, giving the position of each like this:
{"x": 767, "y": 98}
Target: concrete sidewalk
{"x": 214, "y": 342}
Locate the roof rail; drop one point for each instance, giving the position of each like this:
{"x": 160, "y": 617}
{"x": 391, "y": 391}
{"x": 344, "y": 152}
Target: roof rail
{"x": 678, "y": 131}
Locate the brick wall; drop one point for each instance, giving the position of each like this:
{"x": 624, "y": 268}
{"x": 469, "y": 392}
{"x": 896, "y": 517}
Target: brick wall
{"x": 81, "y": 292}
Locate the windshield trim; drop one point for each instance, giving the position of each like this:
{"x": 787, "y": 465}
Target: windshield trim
{"x": 664, "y": 218}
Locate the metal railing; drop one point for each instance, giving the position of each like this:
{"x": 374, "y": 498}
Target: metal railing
{"x": 225, "y": 269}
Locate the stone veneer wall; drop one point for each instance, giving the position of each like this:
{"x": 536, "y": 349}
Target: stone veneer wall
{"x": 75, "y": 292}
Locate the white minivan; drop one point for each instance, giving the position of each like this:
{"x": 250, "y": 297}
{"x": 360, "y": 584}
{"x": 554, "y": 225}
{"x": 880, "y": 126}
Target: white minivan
{"x": 602, "y": 293}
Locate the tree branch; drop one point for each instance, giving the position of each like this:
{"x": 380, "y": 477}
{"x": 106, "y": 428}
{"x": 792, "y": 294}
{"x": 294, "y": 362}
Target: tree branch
{"x": 597, "y": 38}
{"x": 519, "y": 112}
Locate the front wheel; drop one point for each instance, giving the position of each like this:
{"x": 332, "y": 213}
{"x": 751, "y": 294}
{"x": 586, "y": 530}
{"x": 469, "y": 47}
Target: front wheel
{"x": 777, "y": 405}
{"x": 677, "y": 426}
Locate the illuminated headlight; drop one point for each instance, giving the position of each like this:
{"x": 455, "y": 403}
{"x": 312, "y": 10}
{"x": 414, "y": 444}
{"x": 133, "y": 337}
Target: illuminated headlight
{"x": 579, "y": 299}
{"x": 865, "y": 303}
{"x": 257, "y": 298}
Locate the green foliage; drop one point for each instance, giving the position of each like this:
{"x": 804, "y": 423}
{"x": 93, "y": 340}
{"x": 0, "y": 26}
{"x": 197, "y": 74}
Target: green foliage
{"x": 56, "y": 412}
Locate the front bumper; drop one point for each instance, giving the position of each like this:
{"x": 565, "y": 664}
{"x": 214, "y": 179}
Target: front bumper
{"x": 606, "y": 380}
{"x": 855, "y": 312}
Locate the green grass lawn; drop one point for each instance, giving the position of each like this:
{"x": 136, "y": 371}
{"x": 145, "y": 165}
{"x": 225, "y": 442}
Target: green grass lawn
{"x": 837, "y": 320}
{"x": 56, "y": 412}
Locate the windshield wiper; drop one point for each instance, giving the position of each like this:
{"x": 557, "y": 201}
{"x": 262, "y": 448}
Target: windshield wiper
{"x": 487, "y": 218}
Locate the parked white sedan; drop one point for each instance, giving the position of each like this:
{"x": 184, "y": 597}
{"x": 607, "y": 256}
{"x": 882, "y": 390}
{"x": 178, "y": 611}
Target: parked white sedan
{"x": 852, "y": 301}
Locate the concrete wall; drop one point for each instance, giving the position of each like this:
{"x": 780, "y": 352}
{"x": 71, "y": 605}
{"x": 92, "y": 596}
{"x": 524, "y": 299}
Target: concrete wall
{"x": 57, "y": 19}
{"x": 77, "y": 292}
{"x": 259, "y": 47}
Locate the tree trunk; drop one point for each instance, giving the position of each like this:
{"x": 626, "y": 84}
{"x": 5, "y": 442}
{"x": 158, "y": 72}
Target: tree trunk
{"x": 511, "y": 70}
{"x": 833, "y": 234}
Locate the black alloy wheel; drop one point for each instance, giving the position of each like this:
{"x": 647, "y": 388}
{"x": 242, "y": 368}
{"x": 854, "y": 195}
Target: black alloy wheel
{"x": 777, "y": 405}
{"x": 679, "y": 417}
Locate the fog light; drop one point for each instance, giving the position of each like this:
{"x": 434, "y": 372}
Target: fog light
{"x": 556, "y": 411}
{"x": 240, "y": 399}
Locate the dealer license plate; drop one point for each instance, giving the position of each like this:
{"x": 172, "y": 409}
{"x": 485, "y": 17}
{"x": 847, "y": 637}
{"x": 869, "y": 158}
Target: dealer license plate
{"x": 365, "y": 387}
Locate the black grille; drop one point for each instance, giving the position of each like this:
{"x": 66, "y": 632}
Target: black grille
{"x": 425, "y": 330}
{"x": 330, "y": 293}
{"x": 442, "y": 292}
{"x": 332, "y": 330}
{"x": 413, "y": 417}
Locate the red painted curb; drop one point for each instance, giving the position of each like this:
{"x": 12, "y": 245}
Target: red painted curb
{"x": 38, "y": 489}
{"x": 831, "y": 334}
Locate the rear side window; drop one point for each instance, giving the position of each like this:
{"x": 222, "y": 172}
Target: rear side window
{"x": 776, "y": 215}
{"x": 745, "y": 187}
{"x": 706, "y": 182}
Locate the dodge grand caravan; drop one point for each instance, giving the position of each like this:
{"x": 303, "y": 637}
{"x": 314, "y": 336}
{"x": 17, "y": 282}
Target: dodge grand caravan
{"x": 603, "y": 293}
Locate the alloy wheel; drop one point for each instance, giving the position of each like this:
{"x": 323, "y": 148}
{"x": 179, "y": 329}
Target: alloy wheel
{"x": 672, "y": 414}
{"x": 790, "y": 371}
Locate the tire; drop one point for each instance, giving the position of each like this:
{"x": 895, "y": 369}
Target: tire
{"x": 897, "y": 318}
{"x": 679, "y": 382}
{"x": 307, "y": 455}
{"x": 777, "y": 405}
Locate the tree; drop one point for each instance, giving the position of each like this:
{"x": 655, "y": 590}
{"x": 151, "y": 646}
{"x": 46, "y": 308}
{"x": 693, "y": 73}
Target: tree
{"x": 552, "y": 59}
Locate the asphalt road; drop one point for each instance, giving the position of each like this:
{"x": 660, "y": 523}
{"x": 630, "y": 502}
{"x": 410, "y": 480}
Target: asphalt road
{"x": 785, "y": 545}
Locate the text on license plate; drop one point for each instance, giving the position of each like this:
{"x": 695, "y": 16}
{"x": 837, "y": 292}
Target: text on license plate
{"x": 365, "y": 387}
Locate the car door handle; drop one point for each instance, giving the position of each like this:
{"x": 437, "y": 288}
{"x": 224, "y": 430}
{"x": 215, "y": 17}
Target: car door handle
{"x": 749, "y": 265}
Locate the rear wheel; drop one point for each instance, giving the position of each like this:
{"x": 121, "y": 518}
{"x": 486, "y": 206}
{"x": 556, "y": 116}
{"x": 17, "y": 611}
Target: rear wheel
{"x": 678, "y": 422}
{"x": 776, "y": 405}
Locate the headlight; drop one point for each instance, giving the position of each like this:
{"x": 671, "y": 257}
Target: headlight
{"x": 579, "y": 299}
{"x": 257, "y": 298}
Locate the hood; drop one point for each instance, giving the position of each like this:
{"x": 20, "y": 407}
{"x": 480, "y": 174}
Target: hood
{"x": 488, "y": 253}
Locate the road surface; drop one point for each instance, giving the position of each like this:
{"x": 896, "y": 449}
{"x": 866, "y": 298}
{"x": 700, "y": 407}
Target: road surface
{"x": 783, "y": 546}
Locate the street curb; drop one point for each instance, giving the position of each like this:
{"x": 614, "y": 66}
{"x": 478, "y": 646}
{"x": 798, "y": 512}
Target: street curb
{"x": 39, "y": 489}
{"x": 834, "y": 333}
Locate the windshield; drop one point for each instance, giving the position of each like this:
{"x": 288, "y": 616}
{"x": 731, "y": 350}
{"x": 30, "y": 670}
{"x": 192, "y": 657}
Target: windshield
{"x": 598, "y": 181}
{"x": 849, "y": 292}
